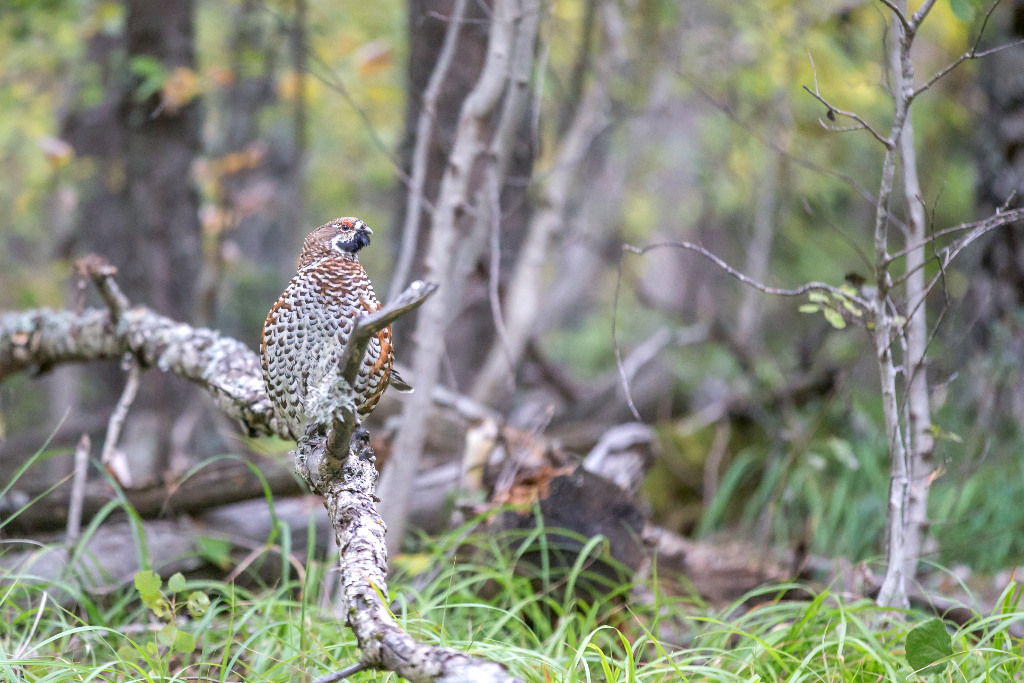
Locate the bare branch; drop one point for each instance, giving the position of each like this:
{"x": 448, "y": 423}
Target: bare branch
{"x": 899, "y": 15}
{"x": 970, "y": 54}
{"x": 798, "y": 291}
{"x": 316, "y": 469}
{"x": 996, "y": 220}
{"x": 342, "y": 470}
{"x": 382, "y": 642}
{"x": 120, "y": 412}
{"x": 919, "y": 15}
{"x": 690, "y": 246}
{"x": 521, "y": 309}
{"x": 946, "y": 255}
{"x": 451, "y": 204}
{"x": 225, "y": 367}
{"x": 101, "y": 272}
{"x": 984, "y": 24}
{"x": 862, "y": 124}
{"x": 74, "y": 526}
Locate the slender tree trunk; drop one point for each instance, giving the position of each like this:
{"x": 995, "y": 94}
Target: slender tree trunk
{"x": 893, "y": 592}
{"x": 921, "y": 440}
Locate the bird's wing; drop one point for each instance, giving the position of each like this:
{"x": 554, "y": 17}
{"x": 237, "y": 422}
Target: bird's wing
{"x": 399, "y": 384}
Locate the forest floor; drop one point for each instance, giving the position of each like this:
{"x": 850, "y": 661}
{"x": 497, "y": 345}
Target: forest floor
{"x": 472, "y": 593}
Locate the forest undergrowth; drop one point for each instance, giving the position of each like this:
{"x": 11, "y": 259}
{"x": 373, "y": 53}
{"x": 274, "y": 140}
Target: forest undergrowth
{"x": 497, "y": 596}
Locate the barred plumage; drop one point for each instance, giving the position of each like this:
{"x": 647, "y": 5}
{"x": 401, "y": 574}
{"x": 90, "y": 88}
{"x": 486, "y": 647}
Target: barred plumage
{"x": 307, "y": 328}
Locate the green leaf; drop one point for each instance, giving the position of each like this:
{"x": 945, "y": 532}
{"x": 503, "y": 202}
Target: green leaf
{"x": 834, "y": 318}
{"x": 161, "y": 608}
{"x": 848, "y": 289}
{"x": 849, "y": 305}
{"x": 184, "y": 642}
{"x": 927, "y": 644}
{"x": 128, "y": 653}
{"x": 148, "y": 585}
{"x": 943, "y": 435}
{"x": 818, "y": 297}
{"x": 167, "y": 635}
{"x": 198, "y": 603}
{"x": 964, "y": 10}
{"x": 151, "y": 76}
{"x": 176, "y": 583}
{"x": 152, "y": 649}
{"x": 809, "y": 308}
{"x": 215, "y": 551}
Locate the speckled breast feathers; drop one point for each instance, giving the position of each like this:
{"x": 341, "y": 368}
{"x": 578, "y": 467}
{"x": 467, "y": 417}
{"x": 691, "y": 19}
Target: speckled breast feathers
{"x": 306, "y": 330}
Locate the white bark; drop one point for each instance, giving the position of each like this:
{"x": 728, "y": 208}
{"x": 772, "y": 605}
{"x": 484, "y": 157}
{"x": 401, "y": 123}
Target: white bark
{"x": 435, "y": 314}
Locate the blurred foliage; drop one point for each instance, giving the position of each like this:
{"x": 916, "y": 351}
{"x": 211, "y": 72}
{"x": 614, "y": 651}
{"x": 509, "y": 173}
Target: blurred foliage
{"x": 732, "y": 109}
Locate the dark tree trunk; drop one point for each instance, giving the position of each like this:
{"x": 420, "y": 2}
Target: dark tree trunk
{"x": 997, "y": 288}
{"x": 1001, "y": 164}
{"x": 141, "y": 208}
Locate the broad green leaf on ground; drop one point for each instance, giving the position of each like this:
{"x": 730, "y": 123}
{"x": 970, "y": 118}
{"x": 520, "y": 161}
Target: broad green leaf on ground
{"x": 927, "y": 644}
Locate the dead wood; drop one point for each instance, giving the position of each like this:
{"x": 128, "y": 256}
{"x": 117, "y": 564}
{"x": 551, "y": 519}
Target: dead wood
{"x": 214, "y": 484}
{"x": 335, "y": 465}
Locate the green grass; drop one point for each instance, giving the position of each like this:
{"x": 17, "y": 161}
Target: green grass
{"x": 532, "y": 621}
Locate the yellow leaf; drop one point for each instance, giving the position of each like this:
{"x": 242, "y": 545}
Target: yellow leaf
{"x": 374, "y": 57}
{"x": 180, "y": 88}
{"x": 57, "y": 152}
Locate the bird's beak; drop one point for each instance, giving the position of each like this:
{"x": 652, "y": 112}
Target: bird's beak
{"x": 367, "y": 229}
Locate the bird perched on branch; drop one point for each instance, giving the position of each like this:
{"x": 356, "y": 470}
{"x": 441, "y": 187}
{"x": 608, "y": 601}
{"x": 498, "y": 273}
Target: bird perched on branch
{"x": 307, "y": 328}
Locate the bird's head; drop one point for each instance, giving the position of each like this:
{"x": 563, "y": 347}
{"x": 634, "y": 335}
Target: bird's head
{"x": 340, "y": 237}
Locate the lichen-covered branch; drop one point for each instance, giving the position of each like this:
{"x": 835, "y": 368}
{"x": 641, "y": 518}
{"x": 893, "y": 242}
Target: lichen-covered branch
{"x": 40, "y": 339}
{"x": 384, "y": 644}
{"x": 338, "y": 467}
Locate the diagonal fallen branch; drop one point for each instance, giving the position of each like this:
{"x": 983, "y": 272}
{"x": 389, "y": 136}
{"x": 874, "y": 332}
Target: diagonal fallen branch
{"x": 337, "y": 464}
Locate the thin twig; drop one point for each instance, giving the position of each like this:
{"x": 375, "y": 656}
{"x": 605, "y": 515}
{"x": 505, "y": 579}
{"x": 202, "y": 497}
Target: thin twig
{"x": 797, "y": 291}
{"x": 342, "y": 674}
{"x": 120, "y": 412}
{"x": 102, "y": 273}
{"x": 839, "y": 232}
{"x": 899, "y": 14}
{"x": 74, "y": 526}
{"x": 862, "y": 124}
{"x": 970, "y": 54}
{"x": 615, "y": 342}
{"x": 1012, "y": 215}
{"x": 746, "y": 128}
{"x": 920, "y": 14}
{"x": 977, "y": 229}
